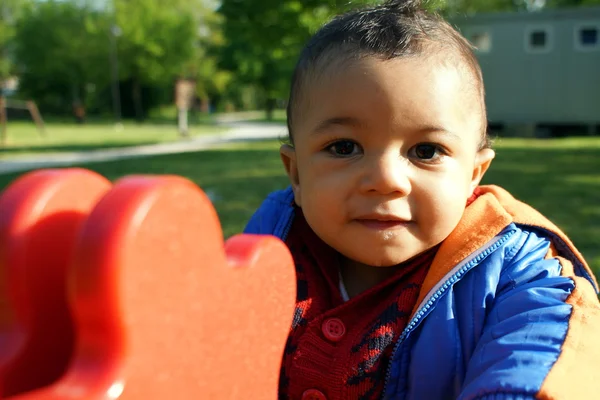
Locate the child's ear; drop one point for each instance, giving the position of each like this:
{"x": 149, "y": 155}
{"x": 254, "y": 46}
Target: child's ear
{"x": 288, "y": 156}
{"x": 483, "y": 160}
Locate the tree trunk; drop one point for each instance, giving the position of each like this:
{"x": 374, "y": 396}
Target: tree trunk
{"x": 3, "y": 121}
{"x": 270, "y": 108}
{"x": 137, "y": 100}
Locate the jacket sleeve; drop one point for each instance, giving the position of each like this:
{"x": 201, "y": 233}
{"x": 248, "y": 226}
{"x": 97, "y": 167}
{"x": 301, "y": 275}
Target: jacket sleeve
{"x": 539, "y": 339}
{"x": 273, "y": 216}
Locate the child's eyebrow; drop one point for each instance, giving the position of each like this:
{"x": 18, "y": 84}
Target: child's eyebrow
{"x": 323, "y": 126}
{"x": 428, "y": 129}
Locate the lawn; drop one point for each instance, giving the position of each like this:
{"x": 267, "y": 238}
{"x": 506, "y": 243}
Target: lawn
{"x": 559, "y": 177}
{"x": 25, "y": 140}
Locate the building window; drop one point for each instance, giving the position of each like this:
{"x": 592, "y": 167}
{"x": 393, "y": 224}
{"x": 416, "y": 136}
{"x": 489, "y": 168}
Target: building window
{"x": 538, "y": 39}
{"x": 482, "y": 41}
{"x": 587, "y": 37}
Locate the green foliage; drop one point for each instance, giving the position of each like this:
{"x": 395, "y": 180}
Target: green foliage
{"x": 63, "y": 50}
{"x": 453, "y": 7}
{"x": 212, "y": 82}
{"x": 10, "y": 11}
{"x": 157, "y": 38}
{"x": 263, "y": 38}
{"x": 60, "y": 50}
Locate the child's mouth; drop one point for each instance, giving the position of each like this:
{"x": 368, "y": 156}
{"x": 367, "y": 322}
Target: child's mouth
{"x": 382, "y": 222}
{"x": 382, "y": 225}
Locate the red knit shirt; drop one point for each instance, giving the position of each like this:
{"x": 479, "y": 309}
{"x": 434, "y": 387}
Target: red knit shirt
{"x": 336, "y": 349}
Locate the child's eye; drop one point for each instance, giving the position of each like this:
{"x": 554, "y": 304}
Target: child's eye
{"x": 344, "y": 148}
{"x": 427, "y": 152}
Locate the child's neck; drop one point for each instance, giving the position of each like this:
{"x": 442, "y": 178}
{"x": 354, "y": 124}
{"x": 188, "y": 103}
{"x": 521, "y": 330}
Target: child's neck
{"x": 358, "y": 277}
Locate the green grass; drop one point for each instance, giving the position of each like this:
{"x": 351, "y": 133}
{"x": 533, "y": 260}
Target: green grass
{"x": 25, "y": 140}
{"x": 240, "y": 176}
{"x": 561, "y": 178}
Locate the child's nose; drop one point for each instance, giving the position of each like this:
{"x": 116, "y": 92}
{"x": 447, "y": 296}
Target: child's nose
{"x": 387, "y": 174}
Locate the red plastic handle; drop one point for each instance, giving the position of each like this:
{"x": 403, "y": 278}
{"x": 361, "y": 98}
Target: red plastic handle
{"x": 164, "y": 309}
{"x": 40, "y": 217}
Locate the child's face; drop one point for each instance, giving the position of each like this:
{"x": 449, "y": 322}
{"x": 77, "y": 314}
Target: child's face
{"x": 386, "y": 155}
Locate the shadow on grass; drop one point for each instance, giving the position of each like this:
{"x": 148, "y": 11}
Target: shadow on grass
{"x": 15, "y": 150}
{"x": 562, "y": 184}
{"x": 170, "y": 119}
{"x": 274, "y": 121}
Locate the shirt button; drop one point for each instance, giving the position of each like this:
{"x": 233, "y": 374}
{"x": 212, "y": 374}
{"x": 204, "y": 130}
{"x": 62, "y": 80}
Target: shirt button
{"x": 313, "y": 394}
{"x": 333, "y": 329}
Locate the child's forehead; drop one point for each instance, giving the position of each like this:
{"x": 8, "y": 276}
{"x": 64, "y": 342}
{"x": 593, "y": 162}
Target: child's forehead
{"x": 337, "y": 67}
{"x": 422, "y": 90}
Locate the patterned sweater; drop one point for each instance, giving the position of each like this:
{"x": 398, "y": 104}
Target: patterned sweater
{"x": 340, "y": 349}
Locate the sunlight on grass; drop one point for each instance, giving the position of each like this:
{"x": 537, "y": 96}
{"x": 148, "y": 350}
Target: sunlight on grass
{"x": 25, "y": 140}
{"x": 561, "y": 143}
{"x": 559, "y": 177}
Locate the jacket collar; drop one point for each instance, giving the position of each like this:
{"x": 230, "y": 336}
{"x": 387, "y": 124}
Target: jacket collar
{"x": 484, "y": 219}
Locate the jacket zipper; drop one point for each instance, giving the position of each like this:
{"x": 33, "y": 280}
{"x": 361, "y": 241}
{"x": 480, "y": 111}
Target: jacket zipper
{"x": 429, "y": 302}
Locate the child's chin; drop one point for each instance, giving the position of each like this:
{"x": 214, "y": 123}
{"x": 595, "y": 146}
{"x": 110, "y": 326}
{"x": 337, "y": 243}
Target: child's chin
{"x": 386, "y": 262}
{"x": 391, "y": 258}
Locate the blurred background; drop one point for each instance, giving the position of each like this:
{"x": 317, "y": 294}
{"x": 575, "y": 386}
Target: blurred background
{"x": 198, "y": 88}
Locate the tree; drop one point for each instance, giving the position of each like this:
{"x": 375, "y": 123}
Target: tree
{"x": 211, "y": 81}
{"x": 60, "y": 52}
{"x": 157, "y": 42}
{"x": 66, "y": 48}
{"x": 263, "y": 39}
{"x": 453, "y": 7}
{"x": 9, "y": 12}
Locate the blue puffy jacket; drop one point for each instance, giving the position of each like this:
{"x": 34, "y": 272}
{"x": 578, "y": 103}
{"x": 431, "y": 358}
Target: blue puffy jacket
{"x": 508, "y": 310}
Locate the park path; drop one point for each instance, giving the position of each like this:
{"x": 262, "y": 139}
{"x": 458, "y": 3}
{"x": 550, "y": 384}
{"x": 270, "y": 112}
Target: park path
{"x": 238, "y": 132}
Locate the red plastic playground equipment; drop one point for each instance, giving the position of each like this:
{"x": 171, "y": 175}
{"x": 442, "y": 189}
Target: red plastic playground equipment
{"x": 127, "y": 291}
